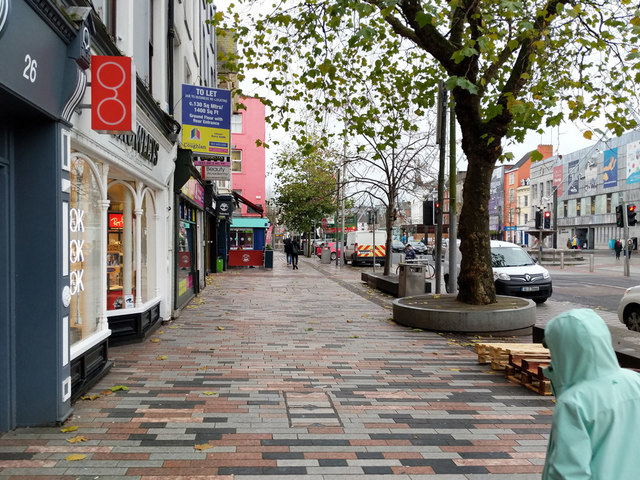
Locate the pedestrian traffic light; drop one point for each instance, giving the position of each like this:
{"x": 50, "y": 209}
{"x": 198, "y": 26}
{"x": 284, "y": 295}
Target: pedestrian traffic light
{"x": 547, "y": 220}
{"x": 631, "y": 215}
{"x": 619, "y": 216}
{"x": 538, "y": 219}
{"x": 428, "y": 213}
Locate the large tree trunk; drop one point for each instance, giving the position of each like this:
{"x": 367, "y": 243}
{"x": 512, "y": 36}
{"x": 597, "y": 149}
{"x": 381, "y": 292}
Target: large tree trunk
{"x": 482, "y": 149}
{"x": 475, "y": 281}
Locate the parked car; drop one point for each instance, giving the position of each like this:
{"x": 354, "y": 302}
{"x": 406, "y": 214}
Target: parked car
{"x": 419, "y": 247}
{"x": 629, "y": 308}
{"x": 397, "y": 246}
{"x": 332, "y": 246}
{"x": 515, "y": 273}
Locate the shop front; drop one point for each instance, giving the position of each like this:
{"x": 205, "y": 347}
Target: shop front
{"x": 247, "y": 241}
{"x": 189, "y": 242}
{"x": 40, "y": 80}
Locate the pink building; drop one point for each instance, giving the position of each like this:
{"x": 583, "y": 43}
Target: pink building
{"x": 248, "y": 168}
{"x": 248, "y": 172}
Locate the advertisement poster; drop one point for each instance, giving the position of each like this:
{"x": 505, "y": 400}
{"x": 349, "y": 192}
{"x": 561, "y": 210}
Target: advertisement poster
{"x": 591, "y": 176}
{"x": 206, "y": 120}
{"x": 573, "y": 177}
{"x": 557, "y": 179}
{"x": 633, "y": 162}
{"x": 610, "y": 168}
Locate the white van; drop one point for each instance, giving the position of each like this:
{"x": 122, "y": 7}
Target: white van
{"x": 515, "y": 273}
{"x": 360, "y": 248}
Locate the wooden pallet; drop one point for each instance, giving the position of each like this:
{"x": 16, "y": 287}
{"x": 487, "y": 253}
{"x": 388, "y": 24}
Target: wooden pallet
{"x": 497, "y": 354}
{"x": 527, "y": 370}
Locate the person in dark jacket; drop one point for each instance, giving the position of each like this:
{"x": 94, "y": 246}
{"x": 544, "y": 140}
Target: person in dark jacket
{"x": 295, "y": 251}
{"x": 288, "y": 248}
{"x": 410, "y": 253}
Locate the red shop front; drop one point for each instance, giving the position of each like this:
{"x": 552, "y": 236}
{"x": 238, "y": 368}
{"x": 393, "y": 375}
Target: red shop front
{"x": 246, "y": 258}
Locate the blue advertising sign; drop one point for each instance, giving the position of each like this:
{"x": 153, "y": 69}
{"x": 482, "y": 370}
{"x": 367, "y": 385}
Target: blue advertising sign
{"x": 206, "y": 120}
{"x": 610, "y": 168}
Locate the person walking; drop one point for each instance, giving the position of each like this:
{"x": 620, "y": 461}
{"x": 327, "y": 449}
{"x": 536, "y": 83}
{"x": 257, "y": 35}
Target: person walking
{"x": 594, "y": 434}
{"x": 295, "y": 251}
{"x": 618, "y": 248}
{"x": 629, "y": 247}
{"x": 288, "y": 248}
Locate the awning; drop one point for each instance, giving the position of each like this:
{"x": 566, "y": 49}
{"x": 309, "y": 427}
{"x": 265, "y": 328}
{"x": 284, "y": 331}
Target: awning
{"x": 247, "y": 222}
{"x": 257, "y": 208}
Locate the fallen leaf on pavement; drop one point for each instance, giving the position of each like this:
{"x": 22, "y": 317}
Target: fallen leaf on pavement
{"x": 119, "y": 387}
{"x": 69, "y": 429}
{"x": 75, "y": 456}
{"x": 203, "y": 446}
{"x": 77, "y": 439}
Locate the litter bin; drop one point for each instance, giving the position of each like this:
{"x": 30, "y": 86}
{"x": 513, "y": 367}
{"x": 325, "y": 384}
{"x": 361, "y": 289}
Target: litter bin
{"x": 219, "y": 264}
{"x": 325, "y": 256}
{"x": 410, "y": 279}
{"x": 268, "y": 259}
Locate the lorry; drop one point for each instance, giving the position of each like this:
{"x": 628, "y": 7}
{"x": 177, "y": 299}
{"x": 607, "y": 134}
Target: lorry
{"x": 360, "y": 248}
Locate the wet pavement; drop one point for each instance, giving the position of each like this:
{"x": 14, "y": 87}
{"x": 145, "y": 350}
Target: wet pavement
{"x": 293, "y": 374}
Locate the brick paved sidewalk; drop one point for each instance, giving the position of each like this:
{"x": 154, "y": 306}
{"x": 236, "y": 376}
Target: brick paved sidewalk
{"x": 292, "y": 374}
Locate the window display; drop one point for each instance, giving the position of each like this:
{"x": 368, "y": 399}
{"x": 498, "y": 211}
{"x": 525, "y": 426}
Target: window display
{"x": 120, "y": 247}
{"x": 85, "y": 263}
{"x": 186, "y": 253}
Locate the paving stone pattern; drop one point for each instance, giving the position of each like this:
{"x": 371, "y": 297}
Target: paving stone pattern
{"x": 292, "y": 374}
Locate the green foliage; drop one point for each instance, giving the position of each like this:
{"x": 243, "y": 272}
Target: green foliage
{"x": 305, "y": 190}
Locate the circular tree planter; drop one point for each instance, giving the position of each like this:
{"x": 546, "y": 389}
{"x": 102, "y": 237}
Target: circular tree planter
{"x": 443, "y": 313}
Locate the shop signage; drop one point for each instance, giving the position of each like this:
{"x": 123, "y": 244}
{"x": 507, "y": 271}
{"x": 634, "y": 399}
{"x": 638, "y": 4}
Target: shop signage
{"x": 193, "y": 190}
{"x": 143, "y": 143}
{"x": 213, "y": 161}
{"x": 33, "y": 57}
{"x": 76, "y": 255}
{"x": 216, "y": 173}
{"x": 206, "y": 120}
{"x": 116, "y": 220}
{"x": 113, "y": 94}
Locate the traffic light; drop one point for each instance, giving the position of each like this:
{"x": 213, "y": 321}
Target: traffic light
{"x": 428, "y": 213}
{"x": 373, "y": 217}
{"x": 619, "y": 216}
{"x": 538, "y": 219}
{"x": 547, "y": 220}
{"x": 436, "y": 209}
{"x": 631, "y": 215}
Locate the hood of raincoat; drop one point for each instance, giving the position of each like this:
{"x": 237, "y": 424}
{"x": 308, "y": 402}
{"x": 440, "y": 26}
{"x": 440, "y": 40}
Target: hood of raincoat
{"x": 580, "y": 345}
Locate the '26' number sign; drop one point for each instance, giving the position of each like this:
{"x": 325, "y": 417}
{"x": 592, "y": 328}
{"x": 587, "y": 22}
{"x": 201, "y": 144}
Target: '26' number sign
{"x": 113, "y": 95}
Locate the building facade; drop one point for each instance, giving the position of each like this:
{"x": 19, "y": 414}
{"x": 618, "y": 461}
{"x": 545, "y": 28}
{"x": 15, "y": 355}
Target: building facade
{"x": 88, "y": 217}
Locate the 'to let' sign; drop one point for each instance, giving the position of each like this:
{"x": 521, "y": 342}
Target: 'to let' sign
{"x": 113, "y": 95}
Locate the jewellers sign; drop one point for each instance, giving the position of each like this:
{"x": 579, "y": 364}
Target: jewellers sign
{"x": 113, "y": 95}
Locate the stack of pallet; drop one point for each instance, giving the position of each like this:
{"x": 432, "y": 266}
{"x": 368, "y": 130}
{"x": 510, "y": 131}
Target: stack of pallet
{"x": 521, "y": 362}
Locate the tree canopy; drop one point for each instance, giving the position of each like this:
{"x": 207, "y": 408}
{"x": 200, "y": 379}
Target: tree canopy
{"x": 512, "y": 66}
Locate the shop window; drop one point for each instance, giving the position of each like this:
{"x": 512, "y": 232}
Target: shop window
{"x": 85, "y": 264}
{"x": 186, "y": 252}
{"x": 120, "y": 248}
{"x": 241, "y": 239}
{"x": 147, "y": 249}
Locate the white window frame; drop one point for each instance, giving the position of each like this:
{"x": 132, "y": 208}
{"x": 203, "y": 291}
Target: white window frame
{"x": 235, "y": 161}
{"x": 236, "y": 123}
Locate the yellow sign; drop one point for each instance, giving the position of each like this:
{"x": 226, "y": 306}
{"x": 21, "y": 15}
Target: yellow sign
{"x": 206, "y": 140}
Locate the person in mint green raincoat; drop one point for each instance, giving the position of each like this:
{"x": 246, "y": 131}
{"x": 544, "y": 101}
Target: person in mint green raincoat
{"x": 595, "y": 431}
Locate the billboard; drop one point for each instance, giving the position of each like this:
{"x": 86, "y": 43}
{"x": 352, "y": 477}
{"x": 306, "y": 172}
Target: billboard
{"x": 206, "y": 120}
{"x": 610, "y": 168}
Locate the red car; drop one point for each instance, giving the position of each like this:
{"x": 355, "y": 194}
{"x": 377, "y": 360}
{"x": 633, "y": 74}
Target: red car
{"x": 331, "y": 245}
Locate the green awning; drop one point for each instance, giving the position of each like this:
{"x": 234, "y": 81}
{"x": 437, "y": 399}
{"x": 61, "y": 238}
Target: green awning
{"x": 249, "y": 222}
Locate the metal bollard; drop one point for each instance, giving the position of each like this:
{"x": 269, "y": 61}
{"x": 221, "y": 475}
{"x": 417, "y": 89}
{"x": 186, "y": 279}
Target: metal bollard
{"x": 562, "y": 260}
{"x": 591, "y": 262}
